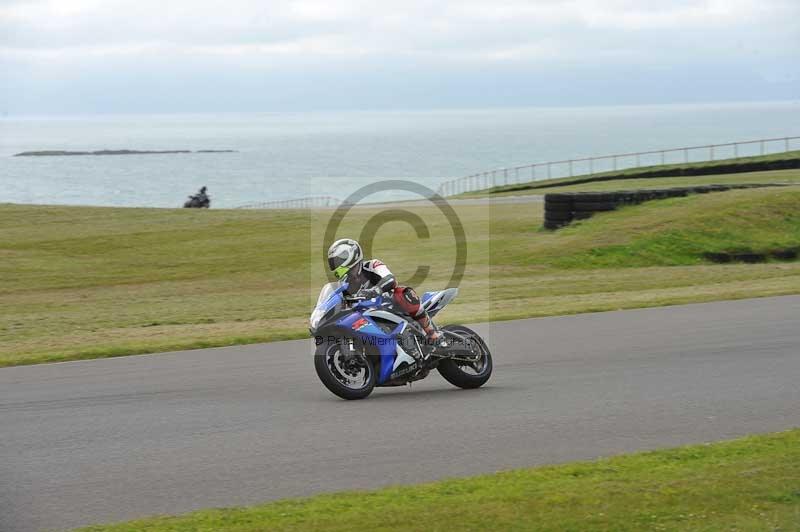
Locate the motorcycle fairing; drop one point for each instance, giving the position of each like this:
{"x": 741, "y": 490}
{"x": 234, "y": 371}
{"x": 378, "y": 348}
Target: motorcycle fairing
{"x": 367, "y": 331}
{"x": 359, "y": 324}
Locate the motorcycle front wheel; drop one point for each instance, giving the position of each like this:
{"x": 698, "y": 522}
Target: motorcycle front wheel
{"x": 348, "y": 374}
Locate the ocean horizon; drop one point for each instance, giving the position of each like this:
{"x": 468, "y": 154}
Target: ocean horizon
{"x": 285, "y": 155}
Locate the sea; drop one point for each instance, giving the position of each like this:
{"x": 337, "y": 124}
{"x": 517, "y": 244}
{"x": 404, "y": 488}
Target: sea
{"x": 287, "y": 155}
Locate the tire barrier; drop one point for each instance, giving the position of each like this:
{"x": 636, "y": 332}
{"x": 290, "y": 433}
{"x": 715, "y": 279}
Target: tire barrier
{"x": 562, "y": 208}
{"x": 752, "y": 257}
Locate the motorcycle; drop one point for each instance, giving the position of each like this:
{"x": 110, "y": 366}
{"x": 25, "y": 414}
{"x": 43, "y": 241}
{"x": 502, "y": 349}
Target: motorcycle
{"x": 196, "y": 201}
{"x": 364, "y": 342}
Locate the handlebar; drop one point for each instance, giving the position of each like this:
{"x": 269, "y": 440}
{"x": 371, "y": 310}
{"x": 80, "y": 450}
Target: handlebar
{"x": 356, "y": 298}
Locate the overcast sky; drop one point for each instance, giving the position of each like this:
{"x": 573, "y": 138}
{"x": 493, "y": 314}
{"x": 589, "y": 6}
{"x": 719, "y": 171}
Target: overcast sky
{"x": 105, "y": 56}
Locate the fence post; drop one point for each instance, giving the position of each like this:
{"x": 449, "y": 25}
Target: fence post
{"x": 614, "y": 164}
{"x": 762, "y": 147}
{"x": 711, "y": 152}
{"x": 505, "y": 175}
{"x": 570, "y": 167}
{"x": 735, "y": 150}
{"x": 686, "y": 155}
{"x": 591, "y": 165}
{"x": 516, "y": 175}
{"x": 662, "y": 156}
{"x": 786, "y": 144}
{"x": 638, "y": 161}
{"x": 548, "y": 170}
{"x": 533, "y": 172}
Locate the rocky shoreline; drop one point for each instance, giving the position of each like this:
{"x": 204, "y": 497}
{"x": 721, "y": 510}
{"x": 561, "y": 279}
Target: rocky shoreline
{"x": 59, "y": 153}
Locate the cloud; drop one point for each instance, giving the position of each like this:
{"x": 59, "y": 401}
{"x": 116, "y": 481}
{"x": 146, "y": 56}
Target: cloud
{"x": 418, "y": 39}
{"x": 446, "y": 28}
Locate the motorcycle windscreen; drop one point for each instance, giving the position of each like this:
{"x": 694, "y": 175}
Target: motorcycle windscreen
{"x": 325, "y": 293}
{"x": 324, "y": 303}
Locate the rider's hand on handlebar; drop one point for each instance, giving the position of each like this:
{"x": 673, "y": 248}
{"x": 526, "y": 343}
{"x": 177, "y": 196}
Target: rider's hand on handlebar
{"x": 369, "y": 293}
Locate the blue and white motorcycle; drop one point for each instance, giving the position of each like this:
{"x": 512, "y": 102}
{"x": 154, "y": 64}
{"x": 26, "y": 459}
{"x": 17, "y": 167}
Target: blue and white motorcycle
{"x": 362, "y": 343}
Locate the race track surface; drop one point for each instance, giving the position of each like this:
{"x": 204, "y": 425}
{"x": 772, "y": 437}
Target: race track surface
{"x": 115, "y": 439}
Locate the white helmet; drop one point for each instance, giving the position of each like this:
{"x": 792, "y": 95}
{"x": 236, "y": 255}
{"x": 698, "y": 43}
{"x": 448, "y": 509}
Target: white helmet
{"x": 343, "y": 255}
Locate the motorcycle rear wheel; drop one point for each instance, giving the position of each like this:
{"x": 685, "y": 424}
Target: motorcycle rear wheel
{"x": 464, "y": 374}
{"x": 332, "y": 365}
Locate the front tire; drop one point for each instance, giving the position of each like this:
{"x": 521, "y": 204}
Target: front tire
{"x": 345, "y": 376}
{"x": 464, "y": 374}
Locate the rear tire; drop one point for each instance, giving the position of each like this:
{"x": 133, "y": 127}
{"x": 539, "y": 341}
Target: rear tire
{"x": 455, "y": 374}
{"x": 331, "y": 375}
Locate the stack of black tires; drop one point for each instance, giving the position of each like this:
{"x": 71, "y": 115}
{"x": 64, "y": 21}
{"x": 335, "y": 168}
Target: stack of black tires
{"x": 562, "y": 208}
{"x": 558, "y": 210}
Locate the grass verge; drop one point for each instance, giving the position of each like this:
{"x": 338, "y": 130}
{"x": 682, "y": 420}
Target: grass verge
{"x": 774, "y": 176}
{"x": 750, "y": 483}
{"x": 96, "y": 282}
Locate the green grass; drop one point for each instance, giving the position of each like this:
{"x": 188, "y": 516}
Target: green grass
{"x": 621, "y": 176}
{"x": 95, "y": 282}
{"x": 751, "y": 483}
{"x": 677, "y": 232}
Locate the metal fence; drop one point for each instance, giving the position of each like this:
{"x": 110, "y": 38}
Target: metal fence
{"x": 589, "y": 166}
{"x": 310, "y": 202}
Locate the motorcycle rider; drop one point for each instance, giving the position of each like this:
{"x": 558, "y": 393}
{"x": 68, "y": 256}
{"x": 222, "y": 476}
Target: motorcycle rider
{"x": 373, "y": 278}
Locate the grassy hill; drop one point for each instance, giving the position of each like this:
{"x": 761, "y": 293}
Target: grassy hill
{"x": 773, "y": 176}
{"x": 84, "y": 282}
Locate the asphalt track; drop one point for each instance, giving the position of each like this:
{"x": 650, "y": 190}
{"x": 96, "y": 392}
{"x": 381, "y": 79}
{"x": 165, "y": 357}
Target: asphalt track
{"x": 108, "y": 440}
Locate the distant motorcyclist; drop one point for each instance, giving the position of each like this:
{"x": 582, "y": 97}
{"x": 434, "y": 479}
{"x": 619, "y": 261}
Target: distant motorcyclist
{"x": 199, "y": 200}
{"x": 373, "y": 278}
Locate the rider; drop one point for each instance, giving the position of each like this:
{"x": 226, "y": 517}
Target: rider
{"x": 373, "y": 278}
